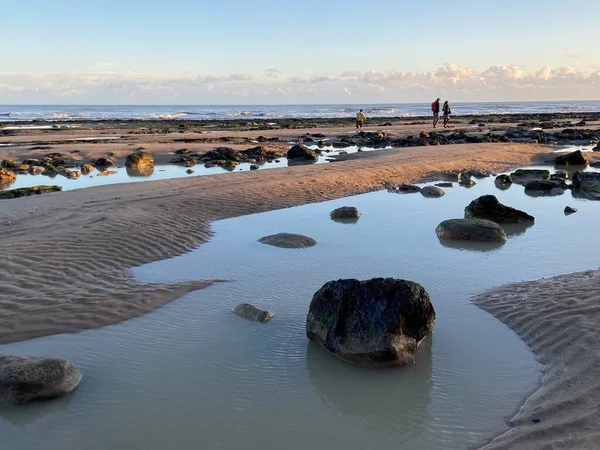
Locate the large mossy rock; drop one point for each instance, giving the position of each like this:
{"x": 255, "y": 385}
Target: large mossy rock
{"x": 471, "y": 230}
{"x": 576, "y": 158}
{"x": 26, "y": 192}
{"x": 288, "y": 240}
{"x": 302, "y": 153}
{"x": 378, "y": 322}
{"x": 139, "y": 159}
{"x": 488, "y": 207}
{"x": 588, "y": 184}
{"x": 26, "y": 380}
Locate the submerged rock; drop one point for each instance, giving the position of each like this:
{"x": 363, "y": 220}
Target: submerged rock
{"x": 523, "y": 175}
{"x": 301, "y": 152}
{"x": 488, "y": 207}
{"x": 471, "y": 230}
{"x": 345, "y": 212}
{"x": 250, "y": 312}
{"x": 378, "y": 322}
{"x": 288, "y": 240}
{"x": 432, "y": 192}
{"x": 26, "y": 380}
{"x": 139, "y": 159}
{"x": 575, "y": 158}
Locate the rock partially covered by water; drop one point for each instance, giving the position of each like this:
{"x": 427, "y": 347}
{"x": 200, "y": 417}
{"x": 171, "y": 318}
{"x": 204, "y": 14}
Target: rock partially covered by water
{"x": 569, "y": 210}
{"x": 488, "y": 207}
{"x": 139, "y": 159}
{"x": 378, "y": 322}
{"x": 408, "y": 188}
{"x": 345, "y": 212}
{"x": 503, "y": 181}
{"x": 86, "y": 169}
{"x": 521, "y": 176}
{"x": 26, "y": 380}
{"x": 250, "y": 312}
{"x": 288, "y": 240}
{"x": 471, "y": 230}
{"x": 432, "y": 192}
{"x": 7, "y": 177}
{"x": 588, "y": 184}
{"x": 542, "y": 185}
{"x": 302, "y": 153}
{"x": 576, "y": 158}
{"x": 26, "y": 192}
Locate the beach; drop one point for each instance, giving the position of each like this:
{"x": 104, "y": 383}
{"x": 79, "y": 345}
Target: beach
{"x": 68, "y": 255}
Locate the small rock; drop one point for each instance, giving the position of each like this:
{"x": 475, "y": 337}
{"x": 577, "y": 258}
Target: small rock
{"x": 569, "y": 210}
{"x": 466, "y": 182}
{"x": 288, "y": 240}
{"x": 445, "y": 184}
{"x": 250, "y": 312}
{"x": 254, "y": 167}
{"x": 189, "y": 171}
{"x": 471, "y": 230}
{"x": 536, "y": 420}
{"x": 408, "y": 188}
{"x": 345, "y": 212}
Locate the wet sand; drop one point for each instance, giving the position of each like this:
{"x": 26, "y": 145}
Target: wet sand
{"x": 67, "y": 256}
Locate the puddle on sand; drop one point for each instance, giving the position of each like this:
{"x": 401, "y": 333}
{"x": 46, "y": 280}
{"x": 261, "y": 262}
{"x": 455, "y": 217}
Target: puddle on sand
{"x": 159, "y": 172}
{"x": 194, "y": 375}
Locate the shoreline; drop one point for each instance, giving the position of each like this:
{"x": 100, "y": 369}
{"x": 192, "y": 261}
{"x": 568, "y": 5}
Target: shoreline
{"x": 69, "y": 254}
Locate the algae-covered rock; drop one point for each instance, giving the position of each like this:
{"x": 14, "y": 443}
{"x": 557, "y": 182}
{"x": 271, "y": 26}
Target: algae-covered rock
{"x": 27, "y": 191}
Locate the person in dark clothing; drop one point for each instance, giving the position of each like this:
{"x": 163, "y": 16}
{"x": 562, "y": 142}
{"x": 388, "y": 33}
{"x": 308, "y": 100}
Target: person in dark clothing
{"x": 446, "y": 113}
{"x": 435, "y": 108}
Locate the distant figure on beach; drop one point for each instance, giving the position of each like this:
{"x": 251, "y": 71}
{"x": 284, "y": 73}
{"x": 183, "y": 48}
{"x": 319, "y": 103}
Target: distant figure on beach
{"x": 435, "y": 109}
{"x": 360, "y": 118}
{"x": 446, "y": 111}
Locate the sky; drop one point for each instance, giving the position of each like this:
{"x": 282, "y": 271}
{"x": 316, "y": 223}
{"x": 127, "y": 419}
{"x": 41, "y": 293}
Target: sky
{"x": 293, "y": 52}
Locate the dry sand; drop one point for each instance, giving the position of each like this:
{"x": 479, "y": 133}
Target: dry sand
{"x": 66, "y": 260}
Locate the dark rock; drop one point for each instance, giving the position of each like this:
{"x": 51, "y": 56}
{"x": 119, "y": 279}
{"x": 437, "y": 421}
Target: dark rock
{"x": 36, "y": 170}
{"x": 139, "y": 158}
{"x": 182, "y": 151}
{"x": 26, "y": 380}
{"x": 288, "y": 240}
{"x": 503, "y": 181}
{"x": 488, "y": 207}
{"x": 560, "y": 174}
{"x": 471, "y": 230}
{"x": 8, "y": 164}
{"x": 575, "y": 158}
{"x": 541, "y": 185}
{"x": 375, "y": 323}
{"x": 250, "y": 312}
{"x": 521, "y": 176}
{"x": 186, "y": 160}
{"x": 569, "y": 210}
{"x": 254, "y": 167}
{"x": 222, "y": 154}
{"x": 189, "y": 171}
{"x": 445, "y": 184}
{"x": 70, "y": 174}
{"x": 408, "y": 188}
{"x": 588, "y": 184}
{"x": 104, "y": 162}
{"x": 229, "y": 165}
{"x": 301, "y": 152}
{"x": 466, "y": 182}
{"x": 140, "y": 171}
{"x": 432, "y": 192}
{"x": 479, "y": 173}
{"x": 345, "y": 212}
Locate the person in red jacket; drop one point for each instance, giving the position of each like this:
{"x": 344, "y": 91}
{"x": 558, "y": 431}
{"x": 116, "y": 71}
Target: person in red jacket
{"x": 435, "y": 109}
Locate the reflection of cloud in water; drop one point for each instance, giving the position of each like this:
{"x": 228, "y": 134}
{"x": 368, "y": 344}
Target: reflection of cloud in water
{"x": 390, "y": 400}
{"x": 471, "y": 246}
{"x": 23, "y": 415}
{"x": 144, "y": 171}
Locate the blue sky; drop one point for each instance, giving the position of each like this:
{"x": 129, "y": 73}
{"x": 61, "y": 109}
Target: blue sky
{"x": 267, "y": 51}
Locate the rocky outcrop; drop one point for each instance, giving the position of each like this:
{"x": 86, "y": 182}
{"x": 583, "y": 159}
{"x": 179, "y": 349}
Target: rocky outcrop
{"x": 471, "y": 230}
{"x": 26, "y": 192}
{"x": 432, "y": 192}
{"x": 26, "y": 380}
{"x": 575, "y": 158}
{"x": 488, "y": 207}
{"x": 345, "y": 212}
{"x": 250, "y": 312}
{"x": 301, "y": 153}
{"x": 140, "y": 158}
{"x": 288, "y": 240}
{"x": 378, "y": 322}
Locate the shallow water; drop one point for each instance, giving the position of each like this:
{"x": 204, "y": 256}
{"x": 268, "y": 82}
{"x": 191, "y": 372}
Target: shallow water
{"x": 194, "y": 375}
{"x": 160, "y": 172}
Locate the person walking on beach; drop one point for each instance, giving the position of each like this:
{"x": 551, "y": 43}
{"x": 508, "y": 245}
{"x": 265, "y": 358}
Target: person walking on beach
{"x": 435, "y": 109}
{"x": 446, "y": 113}
{"x": 360, "y": 118}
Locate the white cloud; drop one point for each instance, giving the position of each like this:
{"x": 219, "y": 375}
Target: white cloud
{"x": 499, "y": 82}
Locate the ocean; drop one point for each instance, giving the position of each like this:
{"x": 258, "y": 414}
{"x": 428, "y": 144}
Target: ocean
{"x": 21, "y": 113}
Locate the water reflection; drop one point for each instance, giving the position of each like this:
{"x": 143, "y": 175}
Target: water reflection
{"x": 23, "y": 415}
{"x": 346, "y": 220}
{"x": 363, "y": 393}
{"x": 143, "y": 171}
{"x": 471, "y": 246}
